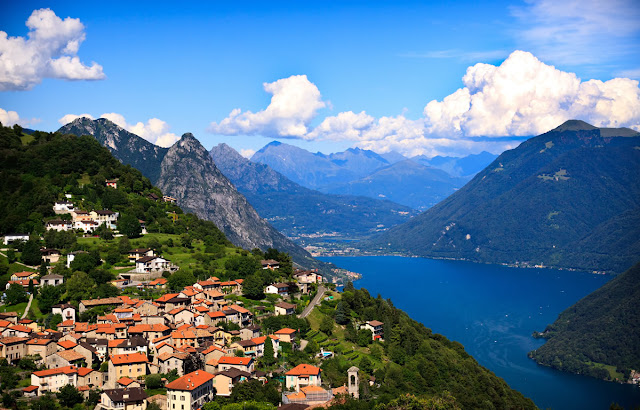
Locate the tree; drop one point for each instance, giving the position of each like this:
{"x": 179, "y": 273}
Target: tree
{"x": 79, "y": 286}
{"x": 32, "y": 287}
{"x": 342, "y": 317}
{"x": 366, "y": 365}
{"x": 124, "y": 246}
{"x": 11, "y": 255}
{"x": 153, "y": 381}
{"x": 31, "y": 253}
{"x": 69, "y": 396}
{"x": 253, "y": 287}
{"x": 45, "y": 402}
{"x": 129, "y": 225}
{"x": 16, "y": 294}
{"x": 113, "y": 256}
{"x": 254, "y": 390}
{"x": 49, "y": 296}
{"x": 326, "y": 325}
{"x": 364, "y": 337}
{"x": 153, "y": 406}
{"x": 180, "y": 279}
{"x": 85, "y": 262}
{"x": 94, "y": 399}
{"x": 268, "y": 357}
{"x": 104, "y": 232}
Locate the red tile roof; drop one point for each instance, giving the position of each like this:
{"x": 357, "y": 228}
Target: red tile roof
{"x": 190, "y": 381}
{"x": 286, "y": 331}
{"x": 129, "y": 358}
{"x": 240, "y": 361}
{"x": 67, "y": 344}
{"x": 304, "y": 370}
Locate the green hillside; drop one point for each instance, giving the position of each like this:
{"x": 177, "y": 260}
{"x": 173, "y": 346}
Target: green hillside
{"x": 599, "y": 336}
{"x": 569, "y": 198}
{"x": 411, "y": 359}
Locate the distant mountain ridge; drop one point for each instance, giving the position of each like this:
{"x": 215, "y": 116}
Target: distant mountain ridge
{"x": 187, "y": 172}
{"x": 378, "y": 176}
{"x": 296, "y": 210}
{"x": 405, "y": 182}
{"x": 316, "y": 170}
{"x": 465, "y": 167}
{"x": 569, "y": 198}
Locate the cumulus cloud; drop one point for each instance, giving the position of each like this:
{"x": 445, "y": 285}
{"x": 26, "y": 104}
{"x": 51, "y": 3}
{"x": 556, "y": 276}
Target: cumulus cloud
{"x": 247, "y": 153}
{"x": 294, "y": 104}
{"x": 524, "y": 96}
{"x": 9, "y": 118}
{"x": 154, "y": 130}
{"x": 577, "y": 32}
{"x": 520, "y": 97}
{"x": 48, "y": 51}
{"x": 72, "y": 117}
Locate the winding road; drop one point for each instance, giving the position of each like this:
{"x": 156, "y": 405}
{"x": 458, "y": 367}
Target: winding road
{"x": 316, "y": 300}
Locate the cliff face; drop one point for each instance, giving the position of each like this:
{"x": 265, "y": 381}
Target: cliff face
{"x": 127, "y": 147}
{"x": 296, "y": 210}
{"x": 187, "y": 172}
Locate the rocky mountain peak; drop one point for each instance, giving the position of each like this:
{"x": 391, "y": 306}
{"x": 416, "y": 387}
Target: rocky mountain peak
{"x": 574, "y": 125}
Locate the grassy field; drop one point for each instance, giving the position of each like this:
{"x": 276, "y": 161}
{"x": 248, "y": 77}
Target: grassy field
{"x": 610, "y": 368}
{"x": 19, "y": 308}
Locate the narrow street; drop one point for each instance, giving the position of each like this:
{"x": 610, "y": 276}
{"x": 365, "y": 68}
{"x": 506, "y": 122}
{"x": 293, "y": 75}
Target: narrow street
{"x": 316, "y": 300}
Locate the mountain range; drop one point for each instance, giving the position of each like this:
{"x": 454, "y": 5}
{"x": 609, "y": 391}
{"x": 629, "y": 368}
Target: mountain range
{"x": 187, "y": 172}
{"x": 414, "y": 182}
{"x": 406, "y": 182}
{"x": 569, "y": 198}
{"x": 296, "y": 210}
{"x": 317, "y": 170}
{"x": 465, "y": 167}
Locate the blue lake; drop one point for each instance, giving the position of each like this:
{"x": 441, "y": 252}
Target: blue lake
{"x": 492, "y": 310}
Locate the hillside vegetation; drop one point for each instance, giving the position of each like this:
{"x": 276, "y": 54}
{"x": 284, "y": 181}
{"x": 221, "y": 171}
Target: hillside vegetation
{"x": 599, "y": 336}
{"x": 569, "y": 198}
{"x": 411, "y": 359}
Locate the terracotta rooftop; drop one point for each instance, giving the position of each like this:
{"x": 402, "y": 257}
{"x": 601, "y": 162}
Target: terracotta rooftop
{"x": 304, "y": 370}
{"x": 190, "y": 381}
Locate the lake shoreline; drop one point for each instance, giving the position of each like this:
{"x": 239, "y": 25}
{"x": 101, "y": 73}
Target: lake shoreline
{"x": 492, "y": 310}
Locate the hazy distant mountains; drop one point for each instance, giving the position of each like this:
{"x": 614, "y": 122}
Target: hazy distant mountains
{"x": 296, "y": 210}
{"x": 317, "y": 170}
{"x": 465, "y": 167}
{"x": 187, "y": 172}
{"x": 415, "y": 183}
{"x": 406, "y": 182}
{"x": 567, "y": 198}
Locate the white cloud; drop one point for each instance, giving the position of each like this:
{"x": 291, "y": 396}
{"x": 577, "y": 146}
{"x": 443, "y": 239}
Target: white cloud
{"x": 577, "y": 32}
{"x": 72, "y": 117}
{"x": 9, "y": 118}
{"x": 155, "y": 130}
{"x": 521, "y": 97}
{"x": 294, "y": 104}
{"x": 524, "y": 96}
{"x": 247, "y": 153}
{"x": 48, "y": 51}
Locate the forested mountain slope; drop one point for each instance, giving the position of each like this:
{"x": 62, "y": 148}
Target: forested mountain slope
{"x": 568, "y": 198}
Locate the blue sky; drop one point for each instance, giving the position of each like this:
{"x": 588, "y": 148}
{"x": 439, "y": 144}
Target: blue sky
{"x": 378, "y": 75}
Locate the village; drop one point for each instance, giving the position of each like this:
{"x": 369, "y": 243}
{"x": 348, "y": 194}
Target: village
{"x": 201, "y": 340}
